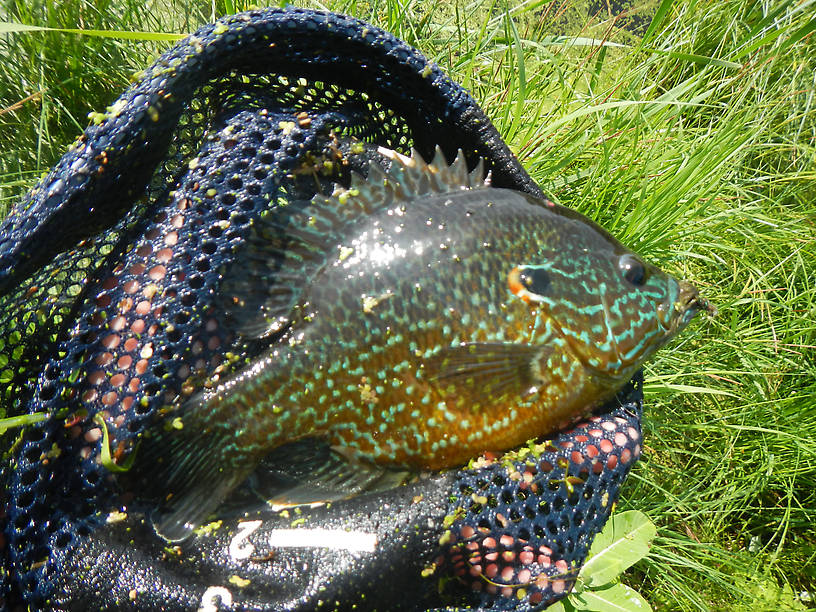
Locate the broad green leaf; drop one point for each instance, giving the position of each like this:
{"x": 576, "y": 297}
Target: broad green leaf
{"x": 520, "y": 70}
{"x": 799, "y": 34}
{"x": 690, "y": 389}
{"x": 624, "y": 540}
{"x": 558, "y": 606}
{"x": 775, "y": 33}
{"x": 615, "y": 598}
{"x": 107, "y": 458}
{"x": 697, "y": 59}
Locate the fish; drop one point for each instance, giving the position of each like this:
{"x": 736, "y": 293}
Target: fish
{"x": 421, "y": 317}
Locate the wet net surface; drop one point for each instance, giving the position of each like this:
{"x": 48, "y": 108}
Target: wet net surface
{"x": 110, "y": 272}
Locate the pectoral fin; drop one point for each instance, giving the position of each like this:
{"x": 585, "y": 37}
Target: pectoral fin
{"x": 184, "y": 469}
{"x": 481, "y": 372}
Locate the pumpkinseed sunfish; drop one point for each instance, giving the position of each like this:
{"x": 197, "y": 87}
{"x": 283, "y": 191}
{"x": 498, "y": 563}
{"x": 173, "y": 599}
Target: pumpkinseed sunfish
{"x": 426, "y": 318}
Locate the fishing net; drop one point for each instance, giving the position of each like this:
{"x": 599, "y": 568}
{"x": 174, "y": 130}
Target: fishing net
{"x": 110, "y": 270}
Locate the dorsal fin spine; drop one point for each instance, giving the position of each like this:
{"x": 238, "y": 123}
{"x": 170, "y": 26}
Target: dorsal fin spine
{"x": 408, "y": 178}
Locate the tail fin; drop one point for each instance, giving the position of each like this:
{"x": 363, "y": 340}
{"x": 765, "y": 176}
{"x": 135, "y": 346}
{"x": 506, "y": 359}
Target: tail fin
{"x": 190, "y": 507}
{"x": 187, "y": 471}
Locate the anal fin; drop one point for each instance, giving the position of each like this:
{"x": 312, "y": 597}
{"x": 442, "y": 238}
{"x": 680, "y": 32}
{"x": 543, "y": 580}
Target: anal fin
{"x": 309, "y": 472}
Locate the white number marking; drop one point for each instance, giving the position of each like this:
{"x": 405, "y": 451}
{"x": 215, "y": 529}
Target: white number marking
{"x": 352, "y": 541}
{"x": 239, "y": 548}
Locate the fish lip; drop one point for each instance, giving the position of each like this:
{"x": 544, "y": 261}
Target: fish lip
{"x": 688, "y": 303}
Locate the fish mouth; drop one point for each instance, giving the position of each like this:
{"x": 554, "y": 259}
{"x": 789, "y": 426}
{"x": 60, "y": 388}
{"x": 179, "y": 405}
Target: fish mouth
{"x": 675, "y": 314}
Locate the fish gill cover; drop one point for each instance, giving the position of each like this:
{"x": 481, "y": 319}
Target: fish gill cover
{"x": 116, "y": 278}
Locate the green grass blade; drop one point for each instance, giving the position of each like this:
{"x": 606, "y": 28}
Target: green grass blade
{"x": 6, "y": 27}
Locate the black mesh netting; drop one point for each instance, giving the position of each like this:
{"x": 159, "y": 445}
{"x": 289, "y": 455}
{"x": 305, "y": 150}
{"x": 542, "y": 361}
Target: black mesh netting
{"x": 110, "y": 271}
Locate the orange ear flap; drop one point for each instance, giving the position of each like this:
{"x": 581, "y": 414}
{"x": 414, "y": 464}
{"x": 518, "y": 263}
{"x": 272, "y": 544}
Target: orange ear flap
{"x": 517, "y": 288}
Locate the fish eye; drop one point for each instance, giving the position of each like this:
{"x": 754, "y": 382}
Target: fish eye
{"x": 535, "y": 280}
{"x": 634, "y": 272}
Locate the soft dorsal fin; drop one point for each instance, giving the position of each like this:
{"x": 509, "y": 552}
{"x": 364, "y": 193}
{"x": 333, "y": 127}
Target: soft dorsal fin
{"x": 287, "y": 247}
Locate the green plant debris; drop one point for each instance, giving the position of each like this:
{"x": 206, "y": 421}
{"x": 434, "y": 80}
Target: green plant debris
{"x": 105, "y": 454}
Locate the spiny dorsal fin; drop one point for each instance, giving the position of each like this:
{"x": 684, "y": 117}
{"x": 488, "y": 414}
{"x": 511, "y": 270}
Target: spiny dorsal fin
{"x": 413, "y": 177}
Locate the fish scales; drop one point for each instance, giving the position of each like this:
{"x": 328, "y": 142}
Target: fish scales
{"x": 436, "y": 318}
{"x": 350, "y": 369}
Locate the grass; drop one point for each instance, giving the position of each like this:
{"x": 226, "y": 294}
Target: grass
{"x": 686, "y": 128}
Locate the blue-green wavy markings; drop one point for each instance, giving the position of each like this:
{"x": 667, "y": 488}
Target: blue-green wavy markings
{"x": 425, "y": 318}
